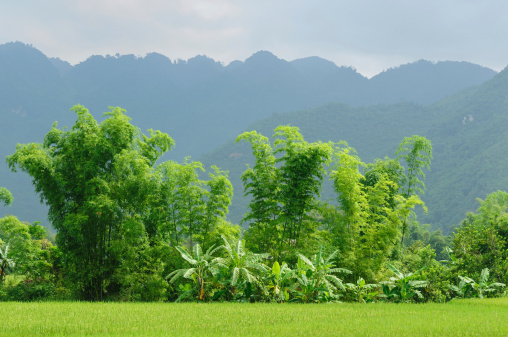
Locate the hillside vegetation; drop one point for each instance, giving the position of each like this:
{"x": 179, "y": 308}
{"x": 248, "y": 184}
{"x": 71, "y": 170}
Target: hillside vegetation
{"x": 467, "y": 131}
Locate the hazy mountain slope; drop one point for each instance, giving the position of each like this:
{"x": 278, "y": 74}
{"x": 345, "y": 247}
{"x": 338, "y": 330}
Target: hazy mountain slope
{"x": 471, "y": 143}
{"x": 467, "y": 130}
{"x": 423, "y": 81}
{"x": 32, "y": 96}
{"x": 374, "y": 132}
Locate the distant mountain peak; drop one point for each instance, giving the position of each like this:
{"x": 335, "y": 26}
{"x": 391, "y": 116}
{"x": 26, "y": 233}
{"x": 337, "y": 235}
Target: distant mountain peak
{"x": 263, "y": 57}
{"x": 18, "y": 57}
{"x": 203, "y": 60}
{"x": 156, "y": 55}
{"x": 234, "y": 64}
{"x": 315, "y": 60}
{"x": 20, "y": 48}
{"x": 424, "y": 66}
{"x": 316, "y": 64}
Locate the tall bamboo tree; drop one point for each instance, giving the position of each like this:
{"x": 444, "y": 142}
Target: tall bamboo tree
{"x": 96, "y": 179}
{"x": 284, "y": 183}
{"x": 416, "y": 152}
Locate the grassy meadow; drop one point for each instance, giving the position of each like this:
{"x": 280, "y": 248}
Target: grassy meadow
{"x": 474, "y": 317}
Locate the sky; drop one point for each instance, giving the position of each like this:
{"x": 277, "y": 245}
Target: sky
{"x": 369, "y": 35}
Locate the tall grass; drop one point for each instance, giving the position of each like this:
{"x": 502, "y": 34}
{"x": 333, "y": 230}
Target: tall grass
{"x": 457, "y": 318}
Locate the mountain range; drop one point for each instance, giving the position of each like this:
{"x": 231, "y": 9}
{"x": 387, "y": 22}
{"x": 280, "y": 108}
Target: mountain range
{"x": 203, "y": 104}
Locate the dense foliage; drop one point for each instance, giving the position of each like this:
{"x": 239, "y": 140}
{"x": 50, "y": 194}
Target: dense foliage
{"x": 114, "y": 211}
{"x": 133, "y": 228}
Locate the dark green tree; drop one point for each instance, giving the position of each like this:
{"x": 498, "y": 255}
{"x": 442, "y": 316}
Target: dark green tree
{"x": 5, "y": 196}
{"x": 389, "y": 169}
{"x": 261, "y": 184}
{"x": 97, "y": 180}
{"x": 371, "y": 211}
{"x": 28, "y": 248}
{"x": 302, "y": 168}
{"x": 416, "y": 152}
{"x": 189, "y": 207}
{"x": 284, "y": 183}
{"x": 481, "y": 241}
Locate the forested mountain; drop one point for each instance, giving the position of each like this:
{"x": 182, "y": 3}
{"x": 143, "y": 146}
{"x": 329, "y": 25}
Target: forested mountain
{"x": 467, "y": 130}
{"x": 202, "y": 103}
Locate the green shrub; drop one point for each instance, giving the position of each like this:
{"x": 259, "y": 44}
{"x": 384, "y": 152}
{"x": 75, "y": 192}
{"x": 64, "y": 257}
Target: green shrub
{"x": 32, "y": 290}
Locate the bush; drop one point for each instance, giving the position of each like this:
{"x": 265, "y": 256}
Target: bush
{"x": 32, "y": 290}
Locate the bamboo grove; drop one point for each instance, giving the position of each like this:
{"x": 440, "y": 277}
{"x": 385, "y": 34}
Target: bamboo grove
{"x": 131, "y": 227}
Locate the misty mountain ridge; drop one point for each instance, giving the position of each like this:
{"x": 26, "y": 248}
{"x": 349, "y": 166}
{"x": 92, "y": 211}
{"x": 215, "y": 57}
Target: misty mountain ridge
{"x": 201, "y": 103}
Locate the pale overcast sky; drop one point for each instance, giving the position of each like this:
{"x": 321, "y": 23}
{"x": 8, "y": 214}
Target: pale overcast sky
{"x": 369, "y": 35}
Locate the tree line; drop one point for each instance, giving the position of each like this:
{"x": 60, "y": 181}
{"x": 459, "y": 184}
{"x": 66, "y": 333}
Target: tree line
{"x": 130, "y": 227}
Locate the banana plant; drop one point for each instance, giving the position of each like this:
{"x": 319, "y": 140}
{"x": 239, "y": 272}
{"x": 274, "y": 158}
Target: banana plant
{"x": 203, "y": 266}
{"x": 362, "y": 291}
{"x": 318, "y": 273}
{"x": 467, "y": 286}
{"x": 403, "y": 287}
{"x": 464, "y": 288}
{"x": 5, "y": 263}
{"x": 309, "y": 289}
{"x": 483, "y": 285}
{"x": 453, "y": 258}
{"x": 281, "y": 281}
{"x": 241, "y": 265}
{"x": 185, "y": 292}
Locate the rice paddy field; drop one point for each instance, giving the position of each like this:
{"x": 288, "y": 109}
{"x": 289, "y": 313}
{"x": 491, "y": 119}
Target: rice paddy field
{"x": 475, "y": 317}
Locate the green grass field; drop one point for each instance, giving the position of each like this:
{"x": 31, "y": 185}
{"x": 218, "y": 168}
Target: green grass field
{"x": 458, "y": 318}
